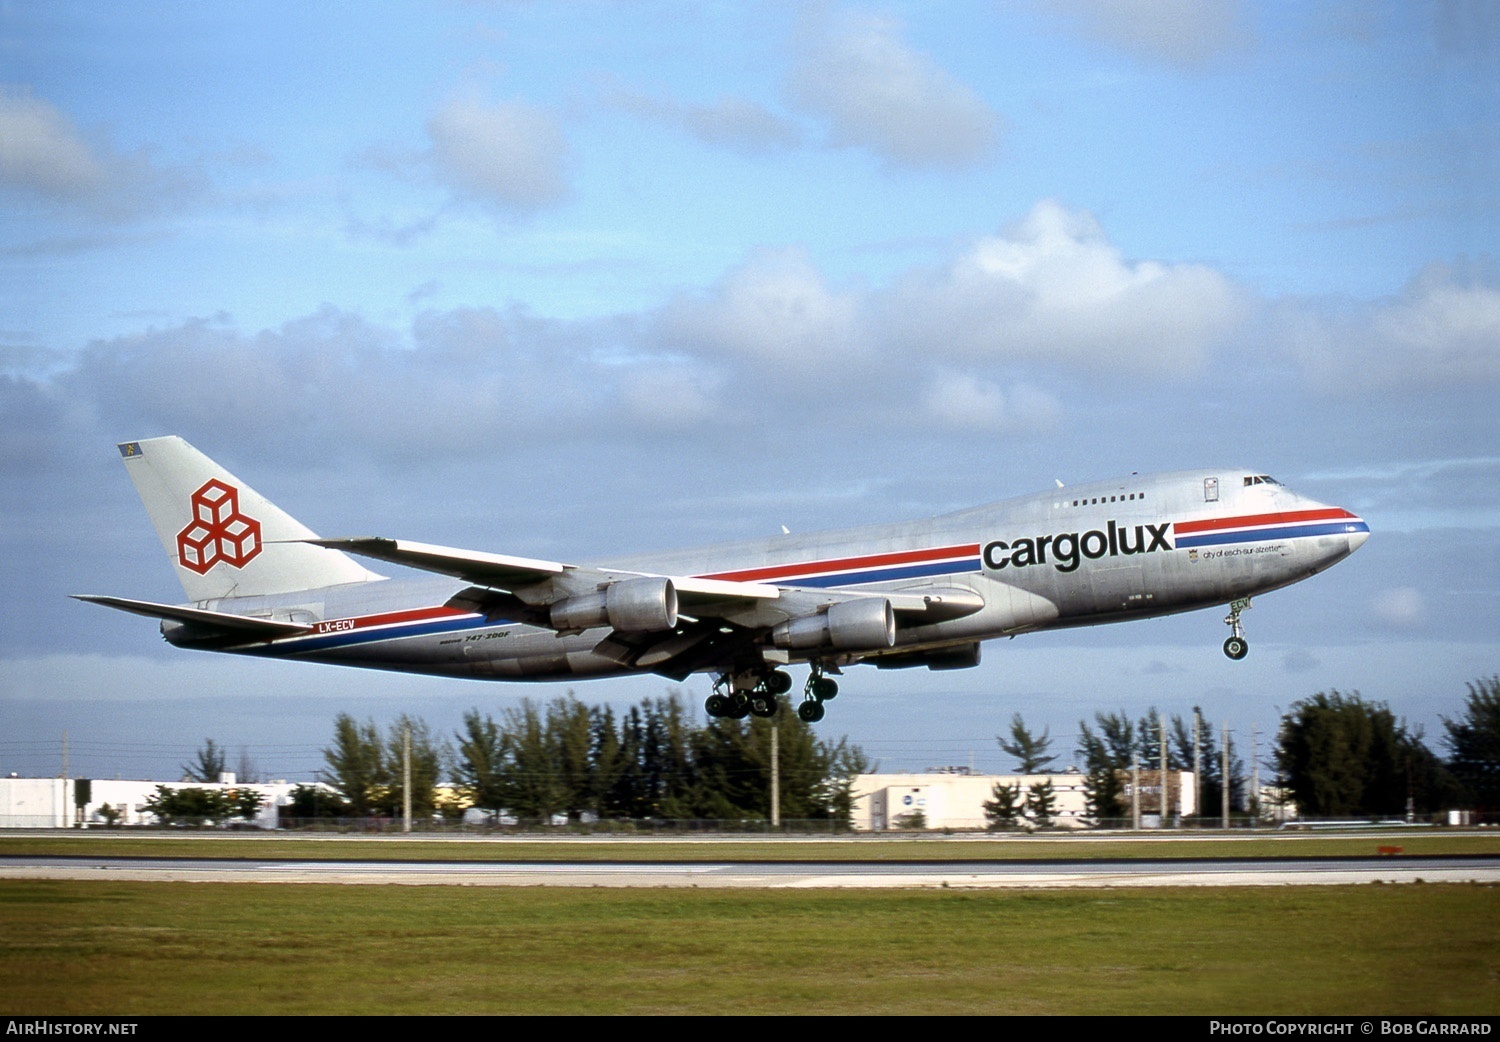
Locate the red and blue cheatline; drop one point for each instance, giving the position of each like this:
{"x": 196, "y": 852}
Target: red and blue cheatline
{"x": 1255, "y": 528}
{"x": 867, "y": 568}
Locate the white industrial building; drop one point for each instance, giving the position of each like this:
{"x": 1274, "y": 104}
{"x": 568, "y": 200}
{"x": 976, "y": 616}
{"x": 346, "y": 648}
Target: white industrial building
{"x": 39, "y": 803}
{"x": 954, "y": 798}
{"x": 948, "y": 798}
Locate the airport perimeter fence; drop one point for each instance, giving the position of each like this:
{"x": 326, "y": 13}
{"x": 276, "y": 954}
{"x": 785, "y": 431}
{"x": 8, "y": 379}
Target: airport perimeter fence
{"x": 507, "y": 826}
{"x": 643, "y": 827}
{"x": 1246, "y": 822}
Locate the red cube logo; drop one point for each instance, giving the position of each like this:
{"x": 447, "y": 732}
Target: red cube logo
{"x": 219, "y": 532}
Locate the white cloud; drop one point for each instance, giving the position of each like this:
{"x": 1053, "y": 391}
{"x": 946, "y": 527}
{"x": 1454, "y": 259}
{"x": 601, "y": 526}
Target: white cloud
{"x": 777, "y": 309}
{"x": 452, "y": 381}
{"x": 1186, "y": 33}
{"x": 1401, "y": 608}
{"x": 670, "y": 397}
{"x": 964, "y": 402}
{"x": 1447, "y": 331}
{"x": 43, "y": 153}
{"x": 510, "y": 155}
{"x": 42, "y": 150}
{"x": 1052, "y": 292}
{"x": 999, "y": 340}
{"x": 1444, "y": 329}
{"x": 875, "y": 92}
{"x": 1055, "y": 290}
{"x": 735, "y": 123}
{"x": 740, "y": 124}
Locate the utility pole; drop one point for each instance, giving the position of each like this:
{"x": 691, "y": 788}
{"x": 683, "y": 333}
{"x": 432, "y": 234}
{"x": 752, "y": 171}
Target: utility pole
{"x": 775, "y": 777}
{"x": 1197, "y": 765}
{"x": 1161, "y": 725}
{"x": 1135, "y": 790}
{"x": 1224, "y": 773}
{"x": 1254, "y": 800}
{"x": 67, "y": 795}
{"x": 406, "y": 777}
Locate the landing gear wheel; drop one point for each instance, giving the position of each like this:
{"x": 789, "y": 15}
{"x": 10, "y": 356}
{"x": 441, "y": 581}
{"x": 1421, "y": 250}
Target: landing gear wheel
{"x": 811, "y": 711}
{"x": 717, "y": 705}
{"x": 778, "y": 682}
{"x": 1236, "y": 647}
{"x": 820, "y": 688}
{"x": 763, "y": 705}
{"x": 739, "y": 705}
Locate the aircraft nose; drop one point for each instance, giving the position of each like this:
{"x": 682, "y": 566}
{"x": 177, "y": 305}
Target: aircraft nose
{"x": 1356, "y": 531}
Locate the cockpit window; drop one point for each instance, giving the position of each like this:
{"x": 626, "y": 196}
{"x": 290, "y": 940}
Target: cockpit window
{"x": 1260, "y": 479}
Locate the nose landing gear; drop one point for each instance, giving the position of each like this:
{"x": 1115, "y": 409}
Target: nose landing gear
{"x": 1236, "y": 647}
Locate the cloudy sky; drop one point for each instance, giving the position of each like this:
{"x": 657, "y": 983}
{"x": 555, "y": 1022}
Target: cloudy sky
{"x": 577, "y": 280}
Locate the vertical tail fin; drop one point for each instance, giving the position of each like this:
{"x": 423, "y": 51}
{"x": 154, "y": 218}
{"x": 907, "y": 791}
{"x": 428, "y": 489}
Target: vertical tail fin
{"x": 223, "y": 537}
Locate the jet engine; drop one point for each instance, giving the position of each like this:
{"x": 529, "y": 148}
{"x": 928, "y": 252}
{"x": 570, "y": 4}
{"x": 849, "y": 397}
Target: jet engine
{"x": 644, "y": 605}
{"x": 858, "y": 625}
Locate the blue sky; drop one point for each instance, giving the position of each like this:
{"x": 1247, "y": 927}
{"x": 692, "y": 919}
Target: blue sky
{"x": 576, "y": 280}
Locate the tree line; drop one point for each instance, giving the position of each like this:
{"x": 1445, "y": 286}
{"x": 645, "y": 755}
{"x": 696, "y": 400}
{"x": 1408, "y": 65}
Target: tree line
{"x": 1335, "y": 755}
{"x": 540, "y": 761}
{"x": 1340, "y": 756}
{"x": 1115, "y": 744}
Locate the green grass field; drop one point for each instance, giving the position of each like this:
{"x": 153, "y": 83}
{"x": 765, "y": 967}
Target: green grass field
{"x": 144, "y": 948}
{"x": 139, "y": 948}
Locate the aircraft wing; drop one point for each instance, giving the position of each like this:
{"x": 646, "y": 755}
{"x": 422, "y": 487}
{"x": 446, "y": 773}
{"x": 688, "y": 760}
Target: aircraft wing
{"x": 537, "y": 582}
{"x": 496, "y": 571}
{"x": 540, "y": 583}
{"x": 236, "y": 625}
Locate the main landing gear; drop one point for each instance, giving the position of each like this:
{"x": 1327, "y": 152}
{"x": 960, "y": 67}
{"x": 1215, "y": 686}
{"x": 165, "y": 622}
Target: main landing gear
{"x": 819, "y": 689}
{"x": 748, "y": 694}
{"x": 739, "y": 695}
{"x": 1236, "y": 647}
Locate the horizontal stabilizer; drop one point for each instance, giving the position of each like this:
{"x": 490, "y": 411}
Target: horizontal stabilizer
{"x": 262, "y": 629}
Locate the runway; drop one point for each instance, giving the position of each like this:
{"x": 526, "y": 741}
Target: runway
{"x": 774, "y": 875}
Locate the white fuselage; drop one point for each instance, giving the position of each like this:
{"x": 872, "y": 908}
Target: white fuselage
{"x": 1075, "y": 556}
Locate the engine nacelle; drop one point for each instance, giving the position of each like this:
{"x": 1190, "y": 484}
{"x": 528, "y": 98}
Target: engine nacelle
{"x": 644, "y": 605}
{"x": 866, "y": 624}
